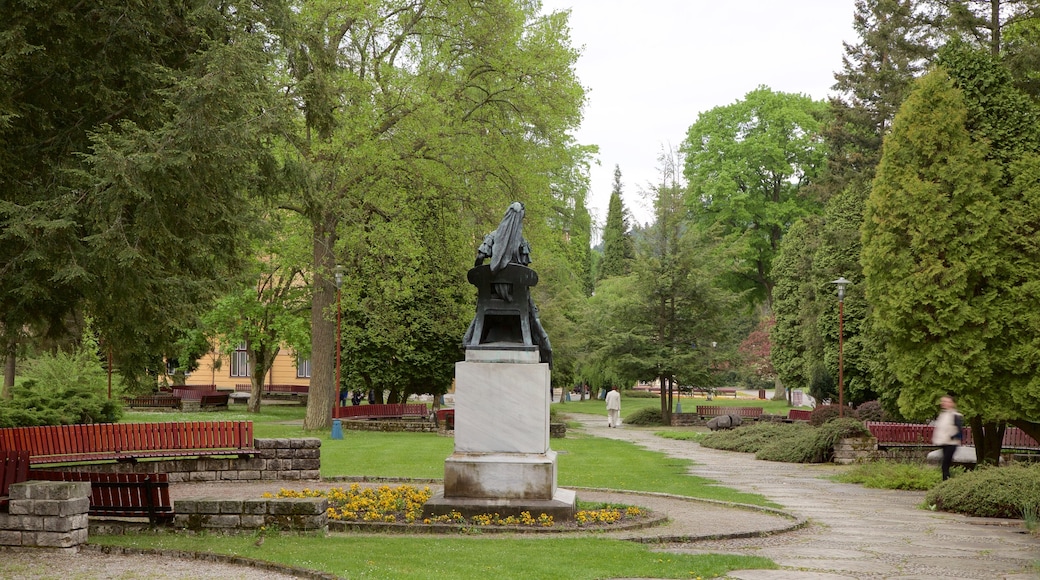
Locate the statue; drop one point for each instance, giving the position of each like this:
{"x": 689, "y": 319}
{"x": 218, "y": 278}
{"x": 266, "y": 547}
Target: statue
{"x": 503, "y": 287}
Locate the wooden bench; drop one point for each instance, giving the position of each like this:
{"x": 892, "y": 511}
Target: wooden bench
{"x": 709, "y": 391}
{"x": 799, "y": 415}
{"x": 205, "y": 398}
{"x": 121, "y": 494}
{"x": 293, "y": 390}
{"x": 385, "y": 411}
{"x": 743, "y": 412}
{"x": 129, "y": 441}
{"x": 446, "y": 417}
{"x": 14, "y": 468}
{"x": 891, "y": 434}
{"x": 155, "y": 401}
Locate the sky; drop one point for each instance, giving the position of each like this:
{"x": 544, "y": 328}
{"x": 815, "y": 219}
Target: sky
{"x": 650, "y": 67}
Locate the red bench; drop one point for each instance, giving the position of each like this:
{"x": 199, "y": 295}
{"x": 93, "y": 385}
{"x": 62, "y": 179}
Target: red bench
{"x": 799, "y": 415}
{"x": 916, "y": 435}
{"x": 122, "y": 494}
{"x": 14, "y": 468}
{"x": 205, "y": 398}
{"x": 446, "y": 417}
{"x": 385, "y": 411}
{"x": 714, "y": 411}
{"x": 129, "y": 441}
{"x": 274, "y": 389}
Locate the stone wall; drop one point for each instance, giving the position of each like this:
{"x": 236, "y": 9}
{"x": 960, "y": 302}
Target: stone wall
{"x": 46, "y": 514}
{"x": 400, "y": 425}
{"x": 276, "y": 459}
{"x": 855, "y": 450}
{"x": 281, "y": 514}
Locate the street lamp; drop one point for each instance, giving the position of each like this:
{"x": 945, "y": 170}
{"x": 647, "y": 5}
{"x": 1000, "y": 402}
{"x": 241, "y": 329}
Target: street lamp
{"x": 339, "y": 334}
{"x": 841, "y": 283}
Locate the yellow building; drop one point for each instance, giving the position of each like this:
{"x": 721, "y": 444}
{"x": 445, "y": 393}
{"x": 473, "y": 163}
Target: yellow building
{"x": 228, "y": 370}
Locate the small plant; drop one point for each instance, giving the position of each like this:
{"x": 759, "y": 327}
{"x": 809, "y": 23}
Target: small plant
{"x": 892, "y": 475}
{"x": 646, "y": 416}
{"x": 824, "y": 413}
{"x": 1031, "y": 516}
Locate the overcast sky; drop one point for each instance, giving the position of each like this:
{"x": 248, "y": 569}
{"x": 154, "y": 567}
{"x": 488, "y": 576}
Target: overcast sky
{"x": 651, "y": 66}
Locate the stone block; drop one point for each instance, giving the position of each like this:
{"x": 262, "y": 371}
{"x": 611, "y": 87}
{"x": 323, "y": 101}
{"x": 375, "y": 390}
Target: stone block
{"x": 254, "y": 506}
{"x": 186, "y": 506}
{"x": 231, "y": 506}
{"x": 211, "y": 464}
{"x": 278, "y": 464}
{"x": 251, "y": 464}
{"x": 289, "y": 475}
{"x": 19, "y": 507}
{"x": 298, "y": 522}
{"x": 60, "y": 539}
{"x": 58, "y": 525}
{"x": 285, "y": 453}
{"x": 249, "y": 475}
{"x": 253, "y": 521}
{"x": 310, "y": 474}
{"x": 298, "y": 506}
{"x": 306, "y": 464}
{"x": 225, "y": 521}
{"x": 10, "y": 538}
{"x": 22, "y": 490}
{"x": 307, "y": 454}
{"x": 229, "y": 475}
{"x": 501, "y": 407}
{"x": 74, "y": 507}
{"x": 270, "y": 443}
{"x": 46, "y": 507}
{"x": 178, "y": 477}
{"x": 207, "y": 506}
{"x": 309, "y": 443}
{"x": 267, "y": 454}
{"x": 269, "y": 475}
{"x": 202, "y": 476}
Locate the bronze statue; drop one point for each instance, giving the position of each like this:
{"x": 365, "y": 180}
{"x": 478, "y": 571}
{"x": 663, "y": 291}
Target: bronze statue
{"x": 505, "y": 310}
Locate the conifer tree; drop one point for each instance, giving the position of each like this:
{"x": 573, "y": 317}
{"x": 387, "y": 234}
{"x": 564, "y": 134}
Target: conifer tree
{"x": 617, "y": 242}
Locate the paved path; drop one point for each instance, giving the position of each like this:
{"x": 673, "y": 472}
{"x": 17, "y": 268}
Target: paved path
{"x": 856, "y": 532}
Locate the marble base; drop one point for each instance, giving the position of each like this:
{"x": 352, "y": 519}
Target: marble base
{"x": 501, "y": 407}
{"x": 562, "y": 507}
{"x": 526, "y": 476}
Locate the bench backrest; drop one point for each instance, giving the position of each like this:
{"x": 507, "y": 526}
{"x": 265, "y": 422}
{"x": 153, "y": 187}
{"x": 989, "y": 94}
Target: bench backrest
{"x": 715, "y": 411}
{"x": 125, "y": 437}
{"x": 799, "y": 415}
{"x": 918, "y": 434}
{"x": 384, "y": 410}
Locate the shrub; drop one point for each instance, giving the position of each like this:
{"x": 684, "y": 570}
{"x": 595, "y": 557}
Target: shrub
{"x": 871, "y": 411}
{"x": 992, "y": 492}
{"x": 62, "y": 389}
{"x": 645, "y": 417}
{"x": 634, "y": 394}
{"x": 893, "y": 475}
{"x": 824, "y": 413}
{"x": 752, "y": 438}
{"x": 815, "y": 445}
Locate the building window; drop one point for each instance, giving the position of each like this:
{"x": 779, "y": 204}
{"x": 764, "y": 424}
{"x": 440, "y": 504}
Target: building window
{"x": 303, "y": 368}
{"x": 240, "y": 361}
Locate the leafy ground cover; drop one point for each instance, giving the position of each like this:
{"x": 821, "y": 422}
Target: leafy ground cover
{"x": 787, "y": 442}
{"x": 894, "y": 475}
{"x": 1012, "y": 491}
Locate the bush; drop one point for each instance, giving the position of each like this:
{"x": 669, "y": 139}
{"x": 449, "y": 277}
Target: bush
{"x": 893, "y": 475}
{"x": 824, "y": 413}
{"x": 645, "y": 417}
{"x": 871, "y": 411}
{"x": 990, "y": 492}
{"x": 786, "y": 442}
{"x": 634, "y": 394}
{"x": 62, "y": 389}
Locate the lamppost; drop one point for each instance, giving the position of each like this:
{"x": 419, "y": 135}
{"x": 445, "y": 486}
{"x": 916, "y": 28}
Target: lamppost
{"x": 841, "y": 283}
{"x": 339, "y": 334}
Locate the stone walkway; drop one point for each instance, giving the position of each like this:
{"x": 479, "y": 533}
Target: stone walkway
{"x": 856, "y": 532}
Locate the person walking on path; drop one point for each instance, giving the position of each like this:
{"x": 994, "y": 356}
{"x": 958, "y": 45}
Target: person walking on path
{"x": 614, "y": 408}
{"x": 948, "y": 432}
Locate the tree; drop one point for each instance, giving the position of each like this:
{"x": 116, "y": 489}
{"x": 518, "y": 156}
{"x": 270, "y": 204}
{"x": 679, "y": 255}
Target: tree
{"x": 131, "y": 134}
{"x": 929, "y": 249}
{"x": 413, "y": 111}
{"x": 747, "y": 164}
{"x": 617, "y": 241}
{"x": 657, "y": 323}
{"x": 269, "y": 310}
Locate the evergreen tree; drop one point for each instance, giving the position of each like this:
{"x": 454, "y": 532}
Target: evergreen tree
{"x": 617, "y": 241}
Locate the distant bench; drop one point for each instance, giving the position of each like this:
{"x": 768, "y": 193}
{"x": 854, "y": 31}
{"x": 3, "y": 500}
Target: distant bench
{"x": 710, "y": 391}
{"x": 272, "y": 390}
{"x": 890, "y": 434}
{"x": 121, "y": 494}
{"x": 799, "y": 415}
{"x": 385, "y": 411}
{"x": 743, "y": 412}
{"x": 129, "y": 441}
{"x": 153, "y": 401}
{"x": 205, "y": 398}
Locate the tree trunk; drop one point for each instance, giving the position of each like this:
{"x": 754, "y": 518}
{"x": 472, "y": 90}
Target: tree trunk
{"x": 1030, "y": 428}
{"x": 779, "y": 391}
{"x": 261, "y": 361}
{"x": 322, "y": 395}
{"x": 11, "y": 352}
{"x": 666, "y": 409}
{"x": 989, "y": 439}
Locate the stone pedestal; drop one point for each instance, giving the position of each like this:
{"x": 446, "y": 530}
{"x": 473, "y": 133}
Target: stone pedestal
{"x": 502, "y": 461}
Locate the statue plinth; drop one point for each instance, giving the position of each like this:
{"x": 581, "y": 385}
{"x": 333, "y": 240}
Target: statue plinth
{"x": 502, "y": 461}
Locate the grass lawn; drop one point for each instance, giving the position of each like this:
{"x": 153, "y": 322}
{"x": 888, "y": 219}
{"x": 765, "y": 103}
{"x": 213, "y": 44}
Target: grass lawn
{"x": 584, "y": 461}
{"x": 689, "y": 404}
{"x": 474, "y": 556}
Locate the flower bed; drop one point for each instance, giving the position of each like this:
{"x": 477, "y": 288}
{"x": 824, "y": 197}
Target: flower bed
{"x": 404, "y": 505}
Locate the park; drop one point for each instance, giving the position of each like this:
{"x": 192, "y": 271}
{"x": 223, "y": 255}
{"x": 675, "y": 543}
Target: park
{"x": 261, "y": 308}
